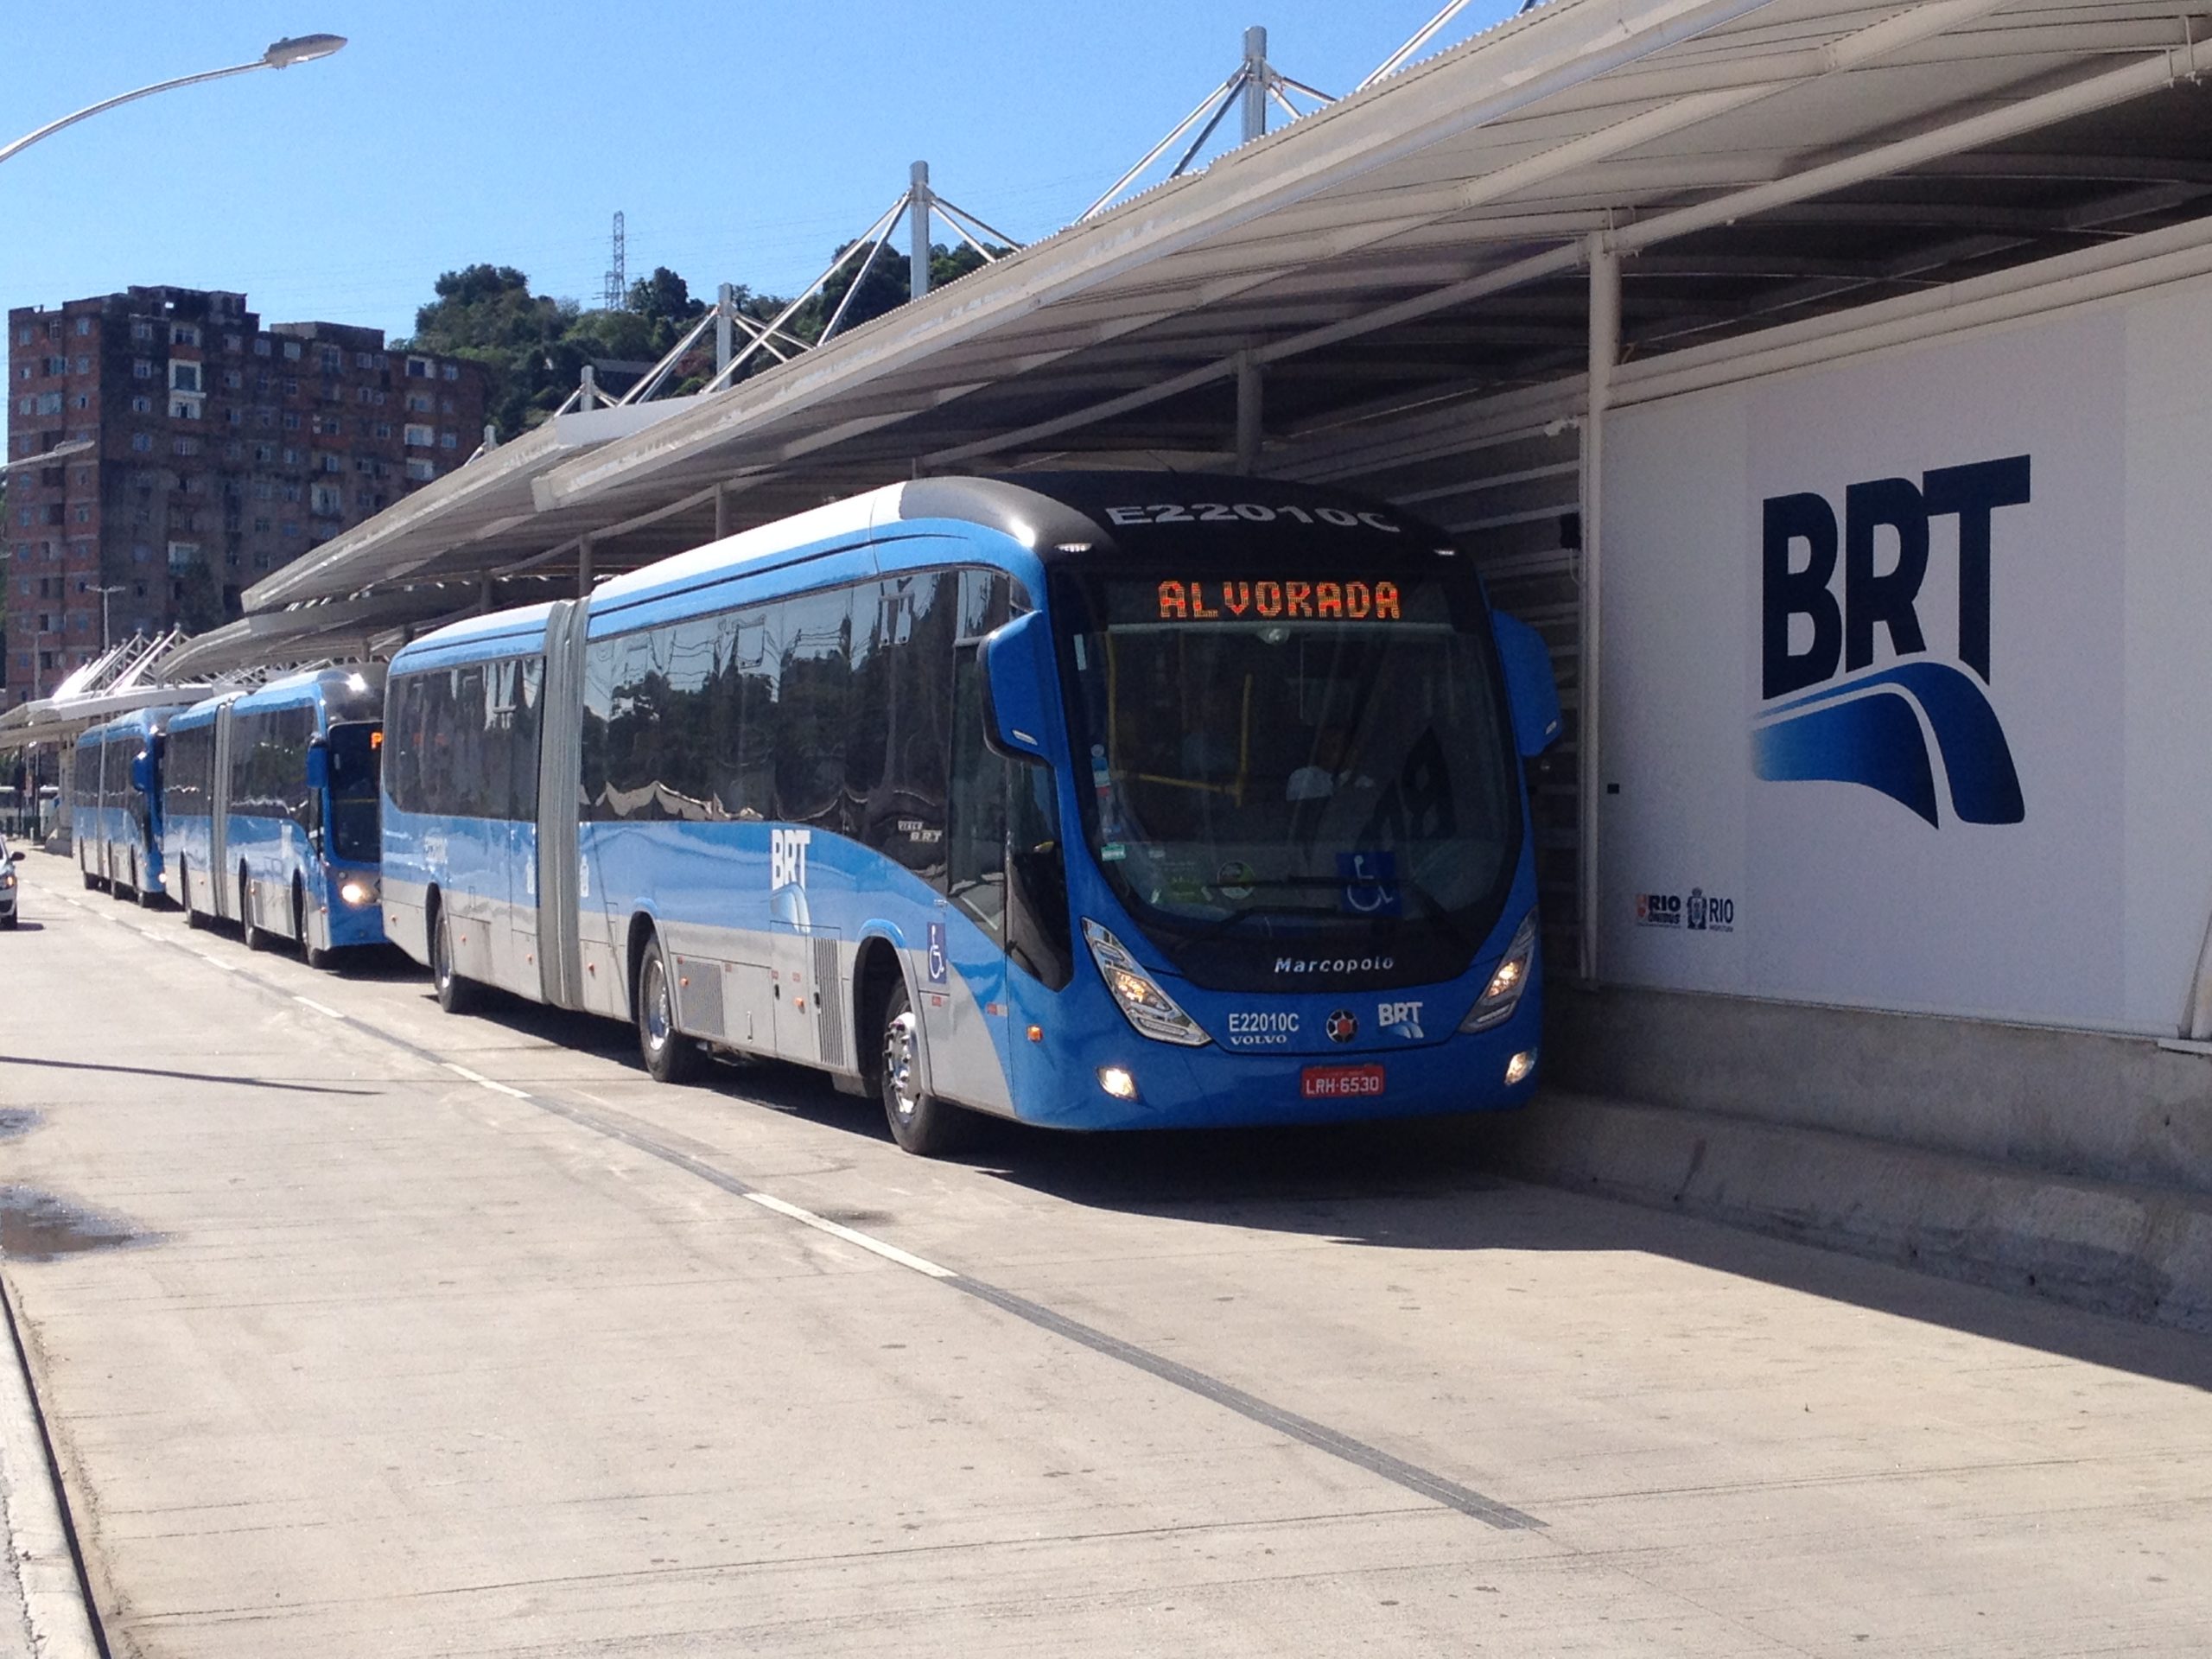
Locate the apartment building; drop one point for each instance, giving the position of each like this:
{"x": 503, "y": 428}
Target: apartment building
{"x": 194, "y": 451}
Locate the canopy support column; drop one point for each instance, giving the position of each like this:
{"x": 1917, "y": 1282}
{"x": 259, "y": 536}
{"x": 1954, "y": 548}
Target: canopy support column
{"x": 583, "y": 568}
{"x": 1257, "y": 75}
{"x": 1604, "y": 354}
{"x": 918, "y": 204}
{"x": 1248, "y": 413}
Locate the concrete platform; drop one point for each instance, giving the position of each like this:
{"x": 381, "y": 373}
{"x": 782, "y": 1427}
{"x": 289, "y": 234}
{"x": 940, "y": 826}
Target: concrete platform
{"x": 359, "y": 1330}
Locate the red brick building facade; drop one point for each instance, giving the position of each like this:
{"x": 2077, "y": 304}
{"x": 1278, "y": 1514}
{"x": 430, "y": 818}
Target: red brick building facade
{"x": 219, "y": 451}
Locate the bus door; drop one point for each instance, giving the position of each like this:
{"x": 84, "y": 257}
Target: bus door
{"x": 964, "y": 996}
{"x": 814, "y": 719}
{"x": 222, "y": 892}
{"x": 514, "y": 694}
{"x": 555, "y": 793}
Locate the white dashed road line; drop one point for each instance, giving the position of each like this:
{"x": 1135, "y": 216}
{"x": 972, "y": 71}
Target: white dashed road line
{"x": 481, "y": 1081}
{"x": 836, "y": 1229}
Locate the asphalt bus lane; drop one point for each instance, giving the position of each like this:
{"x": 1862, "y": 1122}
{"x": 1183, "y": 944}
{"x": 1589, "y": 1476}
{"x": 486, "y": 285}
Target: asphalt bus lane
{"x": 442, "y": 1335}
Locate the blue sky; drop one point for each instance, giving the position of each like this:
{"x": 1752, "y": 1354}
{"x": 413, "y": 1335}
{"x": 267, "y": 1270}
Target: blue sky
{"x": 742, "y": 143}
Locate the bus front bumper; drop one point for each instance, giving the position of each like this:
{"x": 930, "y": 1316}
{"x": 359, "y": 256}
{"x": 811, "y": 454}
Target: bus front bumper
{"x": 1144, "y": 1084}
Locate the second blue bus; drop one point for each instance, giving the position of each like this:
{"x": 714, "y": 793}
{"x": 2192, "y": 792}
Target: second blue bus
{"x": 270, "y": 803}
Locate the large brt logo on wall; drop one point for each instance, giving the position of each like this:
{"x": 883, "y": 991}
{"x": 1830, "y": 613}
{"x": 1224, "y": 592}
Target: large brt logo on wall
{"x": 1825, "y": 711}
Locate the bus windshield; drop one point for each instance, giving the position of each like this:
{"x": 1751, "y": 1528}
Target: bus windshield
{"x": 1277, "y": 773}
{"x": 356, "y": 750}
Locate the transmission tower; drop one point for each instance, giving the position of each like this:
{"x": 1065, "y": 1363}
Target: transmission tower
{"x": 618, "y": 277}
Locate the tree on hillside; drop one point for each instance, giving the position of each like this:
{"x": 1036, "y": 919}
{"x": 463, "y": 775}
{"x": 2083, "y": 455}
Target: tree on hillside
{"x": 487, "y": 314}
{"x": 665, "y": 299}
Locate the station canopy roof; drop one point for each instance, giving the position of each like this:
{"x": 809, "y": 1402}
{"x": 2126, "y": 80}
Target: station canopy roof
{"x": 1421, "y": 243}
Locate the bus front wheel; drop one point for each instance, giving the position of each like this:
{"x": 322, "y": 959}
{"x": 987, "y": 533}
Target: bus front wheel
{"x": 455, "y": 993}
{"x": 308, "y": 953}
{"x": 192, "y": 918}
{"x": 920, "y": 1122}
{"x": 670, "y": 1056}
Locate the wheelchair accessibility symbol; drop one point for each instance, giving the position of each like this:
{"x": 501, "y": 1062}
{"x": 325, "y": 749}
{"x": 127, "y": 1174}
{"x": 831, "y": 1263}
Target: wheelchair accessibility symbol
{"x": 937, "y": 971}
{"x": 1370, "y": 883}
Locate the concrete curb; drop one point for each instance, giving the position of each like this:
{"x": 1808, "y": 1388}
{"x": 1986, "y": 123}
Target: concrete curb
{"x": 2138, "y": 1251}
{"x": 39, "y": 1544}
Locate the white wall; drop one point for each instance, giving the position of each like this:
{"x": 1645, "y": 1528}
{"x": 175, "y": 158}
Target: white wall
{"x": 2088, "y": 911}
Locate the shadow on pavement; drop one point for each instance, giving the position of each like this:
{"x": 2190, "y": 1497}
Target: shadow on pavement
{"x": 1419, "y": 1184}
{"x": 181, "y": 1077}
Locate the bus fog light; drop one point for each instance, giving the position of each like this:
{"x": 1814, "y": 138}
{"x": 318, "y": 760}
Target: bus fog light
{"x": 1507, "y": 982}
{"x": 1116, "y": 1081}
{"x": 1518, "y": 1068}
{"x": 356, "y": 892}
{"x": 1151, "y": 1010}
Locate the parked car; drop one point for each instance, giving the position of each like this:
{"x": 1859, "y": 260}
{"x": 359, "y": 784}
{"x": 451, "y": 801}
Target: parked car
{"x": 8, "y": 911}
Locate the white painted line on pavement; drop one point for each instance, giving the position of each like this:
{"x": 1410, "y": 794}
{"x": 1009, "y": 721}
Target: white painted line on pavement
{"x": 320, "y": 1007}
{"x": 822, "y": 1224}
{"x": 216, "y": 961}
{"x": 483, "y": 1082}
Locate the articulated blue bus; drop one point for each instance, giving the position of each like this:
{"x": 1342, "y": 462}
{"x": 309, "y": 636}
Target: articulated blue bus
{"x": 271, "y": 802}
{"x": 116, "y": 804}
{"x": 1093, "y": 800}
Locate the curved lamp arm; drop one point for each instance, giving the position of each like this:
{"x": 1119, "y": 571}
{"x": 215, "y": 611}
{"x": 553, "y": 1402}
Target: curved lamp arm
{"x": 281, "y": 54}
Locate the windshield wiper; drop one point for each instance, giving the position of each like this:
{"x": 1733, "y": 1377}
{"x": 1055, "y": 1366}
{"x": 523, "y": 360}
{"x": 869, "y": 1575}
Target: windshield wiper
{"x": 1215, "y": 929}
{"x": 1434, "y": 906}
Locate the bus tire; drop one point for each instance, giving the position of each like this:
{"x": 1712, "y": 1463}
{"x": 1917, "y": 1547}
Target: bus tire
{"x": 920, "y": 1122}
{"x": 91, "y": 881}
{"x": 149, "y": 898}
{"x": 670, "y": 1056}
{"x": 308, "y": 954}
{"x": 456, "y": 994}
{"x": 256, "y": 938}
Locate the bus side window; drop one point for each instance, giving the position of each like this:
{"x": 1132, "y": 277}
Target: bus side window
{"x": 975, "y": 872}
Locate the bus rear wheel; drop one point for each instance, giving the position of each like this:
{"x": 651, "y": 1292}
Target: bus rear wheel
{"x": 455, "y": 993}
{"x": 256, "y": 937}
{"x": 920, "y": 1122}
{"x": 670, "y": 1056}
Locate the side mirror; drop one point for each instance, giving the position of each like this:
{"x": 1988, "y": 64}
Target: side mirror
{"x": 1017, "y": 662}
{"x": 1528, "y": 683}
{"x": 318, "y": 764}
{"x": 141, "y": 771}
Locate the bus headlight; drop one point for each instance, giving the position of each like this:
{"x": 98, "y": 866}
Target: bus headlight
{"x": 1151, "y": 1010}
{"x": 1507, "y": 982}
{"x": 356, "y": 892}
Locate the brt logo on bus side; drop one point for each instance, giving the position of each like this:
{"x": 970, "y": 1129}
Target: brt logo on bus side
{"x": 1826, "y": 712}
{"x": 787, "y": 858}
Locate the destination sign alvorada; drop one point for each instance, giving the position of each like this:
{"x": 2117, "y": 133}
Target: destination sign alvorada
{"x": 1352, "y": 602}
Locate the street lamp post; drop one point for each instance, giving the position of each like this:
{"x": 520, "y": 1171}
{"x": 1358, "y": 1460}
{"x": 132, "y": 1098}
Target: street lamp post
{"x": 103, "y": 593}
{"x": 48, "y": 457}
{"x": 281, "y": 54}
